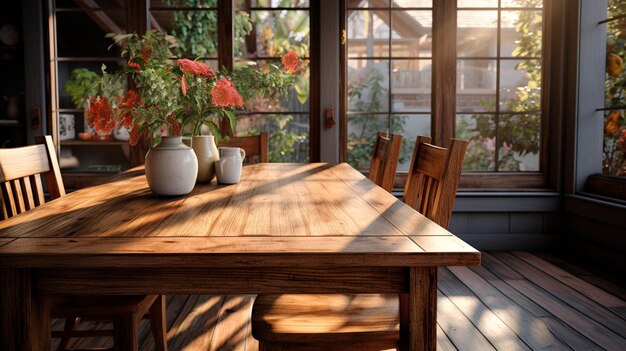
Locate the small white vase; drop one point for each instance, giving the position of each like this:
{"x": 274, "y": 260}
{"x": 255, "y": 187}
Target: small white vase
{"x": 206, "y": 151}
{"x": 121, "y": 133}
{"x": 171, "y": 167}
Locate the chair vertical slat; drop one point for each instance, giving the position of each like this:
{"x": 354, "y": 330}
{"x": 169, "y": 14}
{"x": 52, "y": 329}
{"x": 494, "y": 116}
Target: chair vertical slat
{"x": 264, "y": 145}
{"x": 433, "y": 179}
{"x": 53, "y": 178}
{"x": 18, "y": 196}
{"x": 3, "y": 204}
{"x": 385, "y": 160}
{"x": 426, "y": 196}
{"x": 38, "y": 190}
{"x": 28, "y": 193}
{"x": 8, "y": 192}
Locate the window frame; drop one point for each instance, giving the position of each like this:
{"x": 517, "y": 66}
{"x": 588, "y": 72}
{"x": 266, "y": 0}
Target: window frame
{"x": 443, "y": 97}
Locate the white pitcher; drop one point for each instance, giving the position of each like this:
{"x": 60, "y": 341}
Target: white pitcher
{"x": 228, "y": 168}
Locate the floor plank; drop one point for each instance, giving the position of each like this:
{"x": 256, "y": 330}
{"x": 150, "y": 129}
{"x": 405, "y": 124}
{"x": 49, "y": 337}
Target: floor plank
{"x": 587, "y": 306}
{"x": 514, "y": 301}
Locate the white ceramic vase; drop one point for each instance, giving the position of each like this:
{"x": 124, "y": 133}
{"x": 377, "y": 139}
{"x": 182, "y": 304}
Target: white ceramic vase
{"x": 207, "y": 154}
{"x": 171, "y": 167}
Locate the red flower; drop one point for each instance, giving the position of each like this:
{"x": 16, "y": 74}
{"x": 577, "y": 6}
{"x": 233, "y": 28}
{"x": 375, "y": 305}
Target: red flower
{"x": 195, "y": 67}
{"x": 183, "y": 85}
{"x": 175, "y": 127}
{"x": 224, "y": 94}
{"x": 100, "y": 115}
{"x": 291, "y": 61}
{"x": 146, "y": 52}
{"x": 130, "y": 100}
{"x": 135, "y": 65}
{"x": 135, "y": 136}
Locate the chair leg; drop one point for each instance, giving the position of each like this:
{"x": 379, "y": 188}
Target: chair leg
{"x": 158, "y": 323}
{"x": 70, "y": 325}
{"x": 126, "y": 333}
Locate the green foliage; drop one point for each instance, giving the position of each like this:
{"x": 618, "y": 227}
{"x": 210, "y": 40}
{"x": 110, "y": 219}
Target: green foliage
{"x": 268, "y": 82}
{"x": 614, "y": 148}
{"x": 283, "y": 141}
{"x": 370, "y": 95}
{"x": 82, "y": 84}
{"x": 197, "y": 30}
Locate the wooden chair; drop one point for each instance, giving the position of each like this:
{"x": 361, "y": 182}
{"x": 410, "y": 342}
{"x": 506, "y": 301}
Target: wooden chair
{"x": 255, "y": 146}
{"x": 385, "y": 160}
{"x": 21, "y": 190}
{"x": 366, "y": 321}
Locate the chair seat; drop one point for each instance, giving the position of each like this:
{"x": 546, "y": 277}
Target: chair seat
{"x": 100, "y": 306}
{"x": 291, "y": 318}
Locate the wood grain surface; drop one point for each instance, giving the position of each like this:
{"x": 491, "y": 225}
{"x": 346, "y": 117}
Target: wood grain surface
{"x": 321, "y": 212}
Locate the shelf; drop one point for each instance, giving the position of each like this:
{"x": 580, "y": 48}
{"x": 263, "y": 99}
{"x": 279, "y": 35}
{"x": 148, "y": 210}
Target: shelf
{"x": 10, "y": 123}
{"x": 78, "y": 142}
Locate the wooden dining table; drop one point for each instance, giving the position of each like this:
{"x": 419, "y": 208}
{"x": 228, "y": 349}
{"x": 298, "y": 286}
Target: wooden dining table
{"x": 284, "y": 228}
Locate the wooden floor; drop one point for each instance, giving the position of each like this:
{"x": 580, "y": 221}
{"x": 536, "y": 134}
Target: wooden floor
{"x": 514, "y": 301}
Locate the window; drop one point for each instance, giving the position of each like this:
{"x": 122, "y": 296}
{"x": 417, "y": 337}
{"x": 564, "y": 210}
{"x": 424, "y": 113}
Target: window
{"x": 397, "y": 64}
{"x": 614, "y": 148}
{"x": 498, "y": 96}
{"x": 389, "y": 67}
{"x": 265, "y": 31}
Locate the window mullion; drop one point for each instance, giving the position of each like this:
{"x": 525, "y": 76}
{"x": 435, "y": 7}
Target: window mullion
{"x": 444, "y": 71}
{"x": 225, "y": 48}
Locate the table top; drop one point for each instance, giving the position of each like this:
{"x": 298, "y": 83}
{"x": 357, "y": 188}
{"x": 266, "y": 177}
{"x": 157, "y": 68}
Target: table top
{"x": 279, "y": 214}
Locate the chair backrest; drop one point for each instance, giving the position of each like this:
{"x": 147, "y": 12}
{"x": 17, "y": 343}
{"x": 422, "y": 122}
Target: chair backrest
{"x": 21, "y": 188}
{"x": 255, "y": 146}
{"x": 433, "y": 178}
{"x": 385, "y": 160}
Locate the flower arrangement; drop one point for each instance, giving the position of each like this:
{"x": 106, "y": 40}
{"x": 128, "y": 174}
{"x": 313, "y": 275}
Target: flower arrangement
{"x": 168, "y": 97}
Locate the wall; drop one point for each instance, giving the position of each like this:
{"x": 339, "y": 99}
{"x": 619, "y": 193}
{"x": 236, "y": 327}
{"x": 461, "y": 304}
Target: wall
{"x": 507, "y": 221}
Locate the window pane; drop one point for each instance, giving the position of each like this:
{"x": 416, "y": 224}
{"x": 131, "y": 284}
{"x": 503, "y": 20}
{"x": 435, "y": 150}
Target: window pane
{"x": 278, "y": 32}
{"x": 479, "y": 130}
{"x": 296, "y": 100}
{"x": 95, "y": 4}
{"x": 412, "y": 3}
{"x": 476, "y": 85}
{"x": 477, "y": 33}
{"x": 411, "y": 85}
{"x": 65, "y": 69}
{"x": 477, "y": 3}
{"x": 522, "y": 3}
{"x": 409, "y": 126}
{"x": 184, "y": 3}
{"x": 280, "y": 3}
{"x": 288, "y": 134}
{"x": 518, "y": 143}
{"x": 368, "y": 85}
{"x": 614, "y": 148}
{"x": 362, "y": 131}
{"x": 196, "y": 31}
{"x": 368, "y": 3}
{"x": 520, "y": 85}
{"x": 368, "y": 34}
{"x": 521, "y": 33}
{"x": 74, "y": 29}
{"x": 412, "y": 33}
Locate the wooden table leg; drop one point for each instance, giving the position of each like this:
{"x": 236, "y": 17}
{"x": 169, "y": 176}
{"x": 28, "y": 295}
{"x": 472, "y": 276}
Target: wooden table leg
{"x": 25, "y": 317}
{"x": 418, "y": 311}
